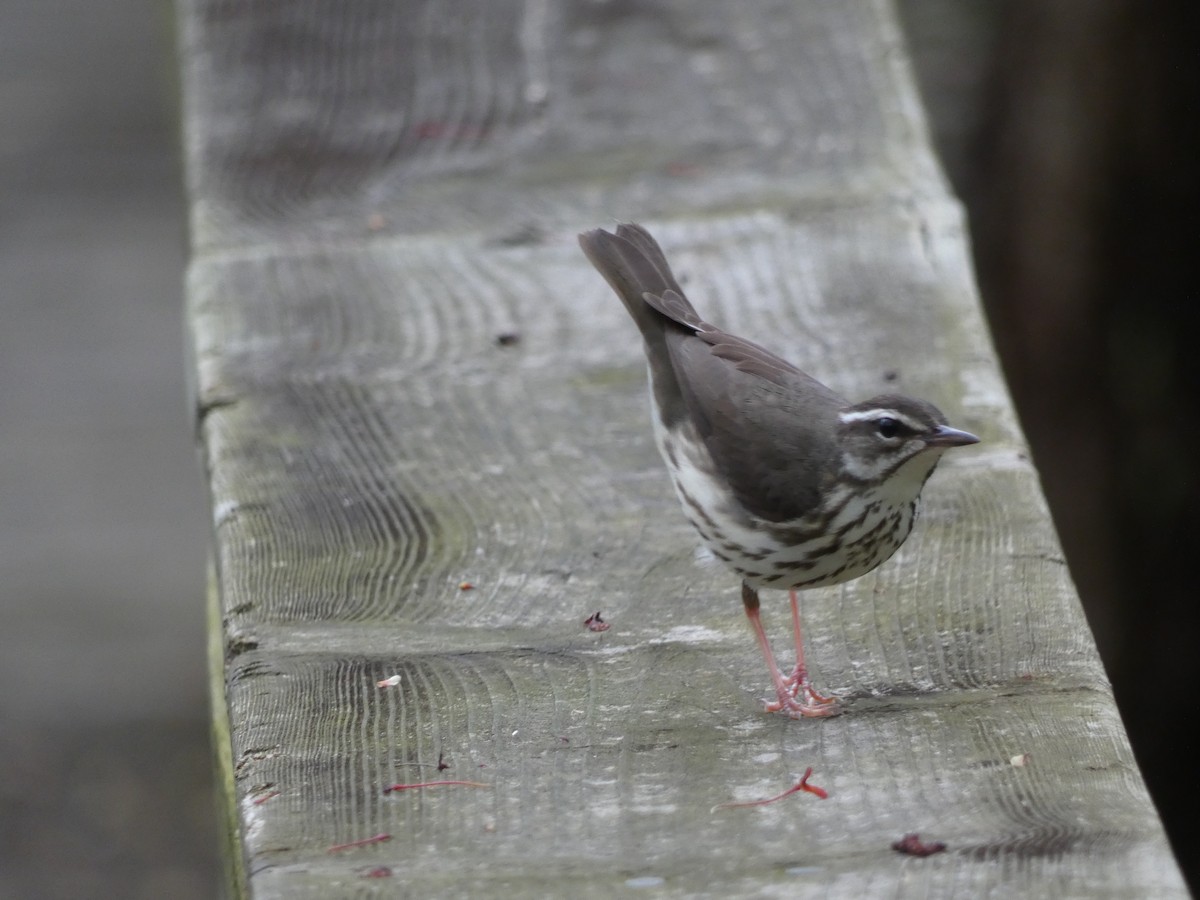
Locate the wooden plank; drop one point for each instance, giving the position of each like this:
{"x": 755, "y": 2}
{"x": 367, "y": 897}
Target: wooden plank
{"x": 380, "y": 192}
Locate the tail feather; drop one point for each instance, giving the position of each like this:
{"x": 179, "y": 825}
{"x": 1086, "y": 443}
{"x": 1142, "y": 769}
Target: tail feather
{"x": 649, "y": 248}
{"x": 634, "y": 265}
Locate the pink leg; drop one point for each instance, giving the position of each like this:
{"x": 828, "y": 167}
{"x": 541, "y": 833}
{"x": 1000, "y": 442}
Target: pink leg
{"x": 797, "y": 700}
{"x": 798, "y": 681}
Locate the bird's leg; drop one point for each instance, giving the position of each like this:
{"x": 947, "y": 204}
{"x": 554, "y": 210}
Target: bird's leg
{"x": 798, "y": 681}
{"x": 796, "y": 702}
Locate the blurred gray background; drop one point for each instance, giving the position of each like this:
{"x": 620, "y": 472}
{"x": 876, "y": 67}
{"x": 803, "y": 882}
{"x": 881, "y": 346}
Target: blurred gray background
{"x": 104, "y": 759}
{"x": 1070, "y": 129}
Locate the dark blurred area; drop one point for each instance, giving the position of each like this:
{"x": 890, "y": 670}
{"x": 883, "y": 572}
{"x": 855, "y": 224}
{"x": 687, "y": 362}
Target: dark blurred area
{"x": 105, "y": 769}
{"x": 1069, "y": 128}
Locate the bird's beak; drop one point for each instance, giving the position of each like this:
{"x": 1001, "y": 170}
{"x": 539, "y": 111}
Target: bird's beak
{"x": 945, "y": 436}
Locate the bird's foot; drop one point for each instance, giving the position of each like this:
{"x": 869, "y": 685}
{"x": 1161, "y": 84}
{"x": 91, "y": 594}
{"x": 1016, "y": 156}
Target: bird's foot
{"x": 798, "y": 684}
{"x": 800, "y": 701}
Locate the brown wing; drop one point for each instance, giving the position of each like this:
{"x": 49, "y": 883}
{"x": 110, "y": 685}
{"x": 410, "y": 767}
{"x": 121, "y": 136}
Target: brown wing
{"x": 767, "y": 425}
{"x": 769, "y": 428}
{"x": 745, "y": 355}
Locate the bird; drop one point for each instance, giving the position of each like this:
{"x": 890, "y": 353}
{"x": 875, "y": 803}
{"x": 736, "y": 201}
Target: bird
{"x": 786, "y": 482}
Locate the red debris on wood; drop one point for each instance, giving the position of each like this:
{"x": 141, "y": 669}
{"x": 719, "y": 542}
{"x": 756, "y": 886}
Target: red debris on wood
{"x": 363, "y": 842}
{"x": 394, "y": 788}
{"x": 912, "y": 845}
{"x": 801, "y": 785}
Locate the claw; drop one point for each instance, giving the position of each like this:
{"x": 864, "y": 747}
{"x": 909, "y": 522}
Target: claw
{"x": 798, "y": 683}
{"x": 803, "y": 702}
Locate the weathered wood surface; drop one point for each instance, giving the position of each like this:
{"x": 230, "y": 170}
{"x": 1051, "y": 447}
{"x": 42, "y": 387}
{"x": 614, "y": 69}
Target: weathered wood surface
{"x": 379, "y": 191}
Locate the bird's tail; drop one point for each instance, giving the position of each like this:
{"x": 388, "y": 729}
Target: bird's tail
{"x": 634, "y": 265}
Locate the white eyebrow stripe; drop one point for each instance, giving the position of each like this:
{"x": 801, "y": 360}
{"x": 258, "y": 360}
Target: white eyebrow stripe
{"x": 868, "y": 415}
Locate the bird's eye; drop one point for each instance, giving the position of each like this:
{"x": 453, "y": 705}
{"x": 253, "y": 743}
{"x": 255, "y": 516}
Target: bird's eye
{"x": 888, "y": 427}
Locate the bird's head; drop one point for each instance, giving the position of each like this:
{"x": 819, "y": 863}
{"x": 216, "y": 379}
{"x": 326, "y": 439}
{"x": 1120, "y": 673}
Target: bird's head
{"x": 895, "y": 439}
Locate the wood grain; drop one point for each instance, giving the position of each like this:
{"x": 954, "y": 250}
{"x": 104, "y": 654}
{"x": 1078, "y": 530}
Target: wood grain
{"x": 372, "y": 445}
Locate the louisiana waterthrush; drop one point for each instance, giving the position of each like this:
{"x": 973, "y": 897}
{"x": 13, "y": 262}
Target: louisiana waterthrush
{"x": 786, "y": 482}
